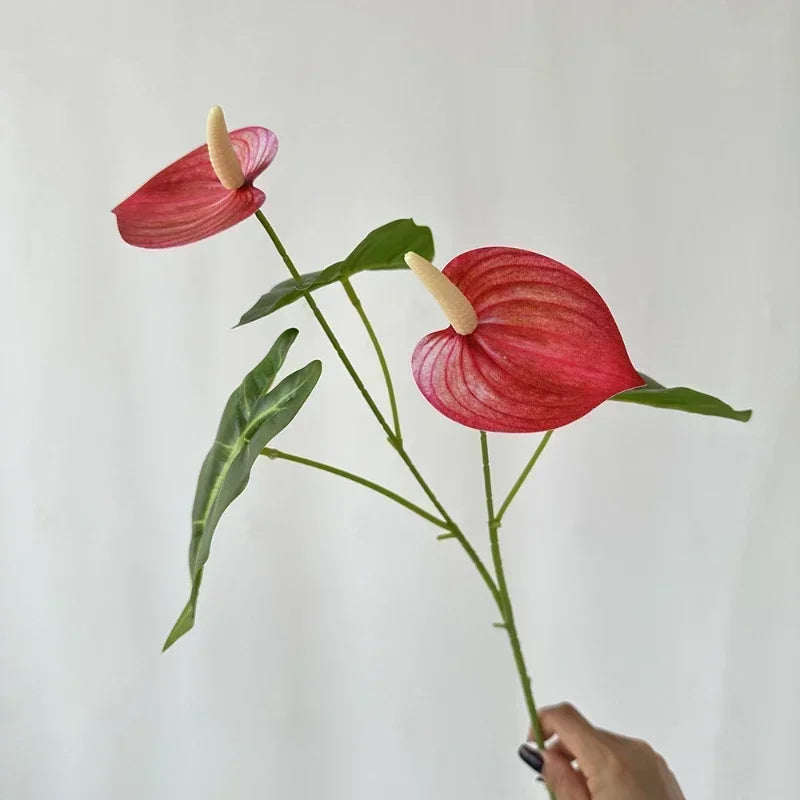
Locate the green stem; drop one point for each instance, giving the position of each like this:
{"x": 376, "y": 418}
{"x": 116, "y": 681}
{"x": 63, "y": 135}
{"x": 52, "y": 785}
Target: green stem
{"x": 525, "y": 472}
{"x": 502, "y": 596}
{"x": 476, "y": 560}
{"x": 356, "y": 301}
{"x": 398, "y": 446}
{"x": 312, "y": 303}
{"x": 271, "y": 452}
{"x": 498, "y": 590}
{"x": 505, "y": 605}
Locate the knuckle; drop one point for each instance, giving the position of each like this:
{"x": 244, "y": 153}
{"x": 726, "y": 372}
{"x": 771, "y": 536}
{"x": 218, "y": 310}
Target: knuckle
{"x": 617, "y": 758}
{"x": 613, "y": 765}
{"x": 556, "y": 779}
{"x": 565, "y": 710}
{"x": 561, "y": 782}
{"x": 641, "y": 748}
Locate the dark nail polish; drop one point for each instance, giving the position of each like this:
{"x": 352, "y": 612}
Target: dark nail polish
{"x": 531, "y": 756}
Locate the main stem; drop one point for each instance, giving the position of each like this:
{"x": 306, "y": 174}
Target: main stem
{"x": 505, "y": 600}
{"x": 312, "y": 303}
{"x": 498, "y": 590}
{"x": 393, "y": 439}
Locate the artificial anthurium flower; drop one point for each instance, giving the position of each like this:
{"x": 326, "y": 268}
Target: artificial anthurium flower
{"x": 203, "y": 193}
{"x": 531, "y": 345}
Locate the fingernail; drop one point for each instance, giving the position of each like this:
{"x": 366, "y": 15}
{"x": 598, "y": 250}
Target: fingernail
{"x": 531, "y": 756}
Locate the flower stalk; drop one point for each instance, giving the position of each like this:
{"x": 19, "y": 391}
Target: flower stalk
{"x": 531, "y": 347}
{"x": 458, "y": 534}
{"x": 505, "y": 606}
{"x": 497, "y": 585}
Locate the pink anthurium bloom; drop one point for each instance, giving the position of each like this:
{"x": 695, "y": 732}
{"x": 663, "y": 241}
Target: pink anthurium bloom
{"x": 531, "y": 347}
{"x": 203, "y": 193}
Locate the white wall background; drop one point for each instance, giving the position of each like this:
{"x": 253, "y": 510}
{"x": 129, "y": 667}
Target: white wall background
{"x": 341, "y": 652}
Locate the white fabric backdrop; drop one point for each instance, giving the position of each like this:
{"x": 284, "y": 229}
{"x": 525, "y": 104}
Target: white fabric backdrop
{"x": 340, "y": 650}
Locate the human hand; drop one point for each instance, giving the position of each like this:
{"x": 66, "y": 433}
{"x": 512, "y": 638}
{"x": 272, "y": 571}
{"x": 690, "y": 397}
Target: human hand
{"x": 609, "y": 766}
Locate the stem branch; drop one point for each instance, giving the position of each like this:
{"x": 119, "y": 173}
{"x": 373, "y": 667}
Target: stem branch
{"x": 356, "y": 301}
{"x": 390, "y": 434}
{"x": 312, "y": 303}
{"x": 523, "y": 475}
{"x": 271, "y": 452}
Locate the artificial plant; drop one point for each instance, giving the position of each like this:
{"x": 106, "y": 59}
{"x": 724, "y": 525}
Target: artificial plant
{"x": 530, "y": 347}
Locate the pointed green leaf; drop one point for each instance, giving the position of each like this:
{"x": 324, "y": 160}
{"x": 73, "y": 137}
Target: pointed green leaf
{"x": 382, "y": 249}
{"x": 186, "y": 619}
{"x": 680, "y": 398}
{"x": 253, "y": 415}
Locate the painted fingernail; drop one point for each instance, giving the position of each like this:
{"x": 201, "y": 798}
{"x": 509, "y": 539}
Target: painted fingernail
{"x": 531, "y": 756}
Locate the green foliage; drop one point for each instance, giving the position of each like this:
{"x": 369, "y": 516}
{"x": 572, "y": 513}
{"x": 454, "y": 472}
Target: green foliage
{"x": 382, "y": 249}
{"x": 680, "y": 398}
{"x": 253, "y": 415}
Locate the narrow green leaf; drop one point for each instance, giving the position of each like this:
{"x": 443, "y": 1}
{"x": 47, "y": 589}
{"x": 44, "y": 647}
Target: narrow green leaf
{"x": 382, "y": 249}
{"x": 186, "y": 619}
{"x": 253, "y": 415}
{"x": 680, "y": 398}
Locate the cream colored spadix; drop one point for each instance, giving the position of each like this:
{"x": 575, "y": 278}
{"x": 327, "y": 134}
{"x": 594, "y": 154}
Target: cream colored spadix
{"x": 220, "y": 150}
{"x": 458, "y": 310}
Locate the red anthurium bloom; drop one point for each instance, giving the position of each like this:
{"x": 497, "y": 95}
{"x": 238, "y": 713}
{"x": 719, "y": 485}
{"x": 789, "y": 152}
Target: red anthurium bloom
{"x": 203, "y": 193}
{"x": 531, "y": 347}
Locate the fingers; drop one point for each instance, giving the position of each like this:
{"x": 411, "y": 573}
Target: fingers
{"x": 626, "y": 767}
{"x": 557, "y": 746}
{"x": 577, "y": 736}
{"x": 565, "y": 782}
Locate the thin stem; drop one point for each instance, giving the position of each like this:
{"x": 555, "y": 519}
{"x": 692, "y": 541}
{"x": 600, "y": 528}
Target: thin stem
{"x": 356, "y": 301}
{"x": 476, "y": 560}
{"x": 523, "y": 476}
{"x": 279, "y": 454}
{"x": 398, "y": 445}
{"x": 487, "y": 490}
{"x": 498, "y": 590}
{"x": 487, "y": 479}
{"x": 324, "y": 324}
{"x": 505, "y": 604}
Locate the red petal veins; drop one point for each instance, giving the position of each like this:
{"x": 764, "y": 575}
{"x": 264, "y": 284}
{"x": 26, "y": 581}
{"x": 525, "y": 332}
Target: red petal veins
{"x": 255, "y": 148}
{"x": 185, "y": 202}
{"x": 546, "y": 350}
{"x": 145, "y": 221}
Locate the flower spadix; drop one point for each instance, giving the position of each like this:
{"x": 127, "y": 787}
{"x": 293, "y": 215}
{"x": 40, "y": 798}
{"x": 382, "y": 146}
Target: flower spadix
{"x": 531, "y": 345}
{"x": 203, "y": 193}
{"x": 458, "y": 310}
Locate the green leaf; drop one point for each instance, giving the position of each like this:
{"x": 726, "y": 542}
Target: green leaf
{"x": 680, "y": 398}
{"x": 382, "y": 249}
{"x": 253, "y": 415}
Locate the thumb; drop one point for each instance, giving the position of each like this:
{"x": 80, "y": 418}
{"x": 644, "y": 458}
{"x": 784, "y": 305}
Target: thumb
{"x": 565, "y": 782}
